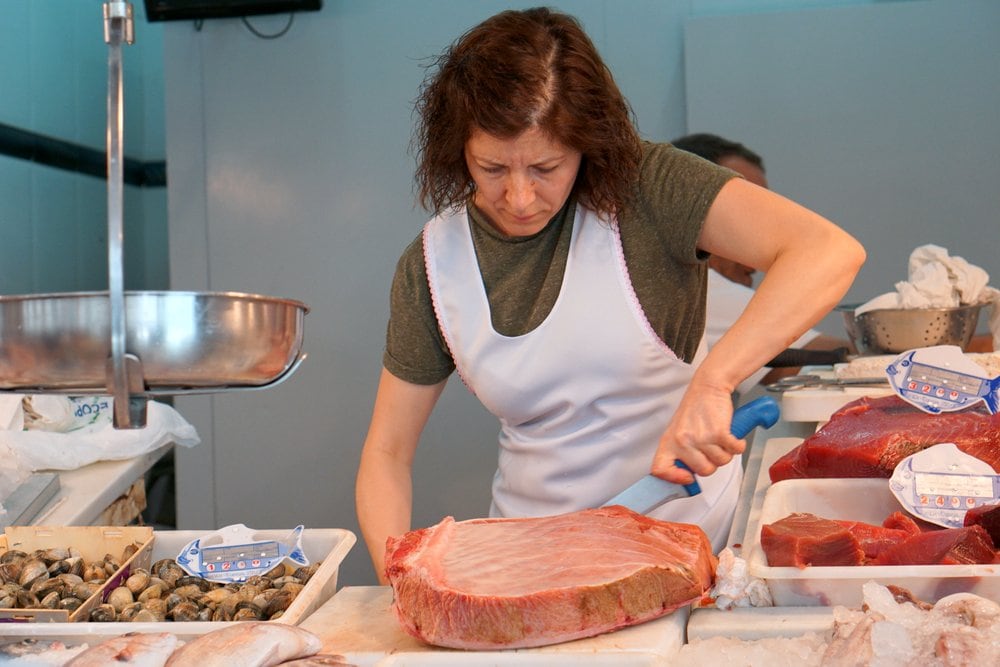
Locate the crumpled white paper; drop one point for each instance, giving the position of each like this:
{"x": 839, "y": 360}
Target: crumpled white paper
{"x": 69, "y": 433}
{"x": 939, "y": 280}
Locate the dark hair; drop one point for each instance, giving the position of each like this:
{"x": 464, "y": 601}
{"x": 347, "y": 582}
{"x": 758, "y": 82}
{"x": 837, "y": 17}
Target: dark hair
{"x": 515, "y": 71}
{"x": 713, "y": 148}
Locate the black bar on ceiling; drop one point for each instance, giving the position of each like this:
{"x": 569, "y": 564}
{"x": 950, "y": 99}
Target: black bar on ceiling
{"x": 27, "y": 145}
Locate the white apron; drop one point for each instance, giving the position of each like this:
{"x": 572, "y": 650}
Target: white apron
{"x": 584, "y": 398}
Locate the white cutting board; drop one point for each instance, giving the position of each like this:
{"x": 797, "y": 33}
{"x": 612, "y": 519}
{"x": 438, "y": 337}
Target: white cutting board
{"x": 358, "y": 624}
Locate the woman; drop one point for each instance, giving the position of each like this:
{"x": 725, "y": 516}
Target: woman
{"x": 563, "y": 276}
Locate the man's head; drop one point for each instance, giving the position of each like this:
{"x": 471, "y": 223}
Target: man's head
{"x": 744, "y": 162}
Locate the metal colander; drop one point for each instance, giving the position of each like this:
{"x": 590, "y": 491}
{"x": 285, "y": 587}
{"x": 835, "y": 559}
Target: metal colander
{"x": 894, "y": 330}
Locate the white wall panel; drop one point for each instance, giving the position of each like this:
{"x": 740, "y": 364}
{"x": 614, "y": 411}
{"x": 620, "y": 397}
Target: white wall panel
{"x": 881, "y": 117}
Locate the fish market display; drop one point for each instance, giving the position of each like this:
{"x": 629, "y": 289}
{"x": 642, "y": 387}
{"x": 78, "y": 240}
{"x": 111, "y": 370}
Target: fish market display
{"x": 139, "y": 649}
{"x": 247, "y": 645}
{"x": 870, "y": 436}
{"x": 511, "y": 583}
{"x": 890, "y": 628}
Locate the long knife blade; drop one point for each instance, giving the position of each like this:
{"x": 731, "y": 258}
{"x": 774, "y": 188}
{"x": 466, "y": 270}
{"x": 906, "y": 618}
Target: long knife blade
{"x": 650, "y": 492}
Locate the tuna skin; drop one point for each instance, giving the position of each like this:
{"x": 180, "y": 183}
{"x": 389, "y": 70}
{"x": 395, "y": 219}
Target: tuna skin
{"x": 870, "y": 436}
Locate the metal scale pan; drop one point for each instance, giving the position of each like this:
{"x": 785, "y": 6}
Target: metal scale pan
{"x": 137, "y": 345}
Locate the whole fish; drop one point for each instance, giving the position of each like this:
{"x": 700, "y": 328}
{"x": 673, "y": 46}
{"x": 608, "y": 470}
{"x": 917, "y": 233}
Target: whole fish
{"x": 247, "y": 644}
{"x": 319, "y": 660}
{"x": 135, "y": 648}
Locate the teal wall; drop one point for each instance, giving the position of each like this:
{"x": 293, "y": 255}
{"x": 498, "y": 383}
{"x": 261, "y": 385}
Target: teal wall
{"x": 53, "y": 81}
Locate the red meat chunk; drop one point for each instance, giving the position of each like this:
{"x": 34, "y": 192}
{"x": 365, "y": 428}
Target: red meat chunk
{"x": 873, "y": 539}
{"x": 987, "y": 516}
{"x": 802, "y": 539}
{"x": 948, "y": 546}
{"x": 870, "y": 436}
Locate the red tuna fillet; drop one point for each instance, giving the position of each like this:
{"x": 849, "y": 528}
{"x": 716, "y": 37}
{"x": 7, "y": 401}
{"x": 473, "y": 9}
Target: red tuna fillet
{"x": 802, "y": 539}
{"x": 512, "y": 583}
{"x": 948, "y": 546}
{"x": 874, "y": 539}
{"x": 870, "y": 436}
{"x": 987, "y": 516}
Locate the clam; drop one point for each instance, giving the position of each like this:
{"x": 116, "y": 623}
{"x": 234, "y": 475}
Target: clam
{"x": 129, "y": 611}
{"x": 52, "y": 555}
{"x": 120, "y": 598}
{"x": 10, "y": 571}
{"x": 184, "y": 611}
{"x": 157, "y": 606}
{"x": 276, "y": 572}
{"x": 168, "y": 570}
{"x": 279, "y": 602}
{"x": 70, "y": 603}
{"x": 151, "y": 592}
{"x": 248, "y": 613}
{"x": 8, "y": 601}
{"x": 217, "y": 596}
{"x": 31, "y": 570}
{"x": 221, "y": 614}
{"x": 103, "y": 613}
{"x": 85, "y": 589}
{"x": 189, "y": 580}
{"x": 130, "y": 550}
{"x": 94, "y": 572}
{"x": 12, "y": 555}
{"x": 25, "y": 600}
{"x": 305, "y": 573}
{"x": 138, "y": 581}
{"x": 50, "y": 600}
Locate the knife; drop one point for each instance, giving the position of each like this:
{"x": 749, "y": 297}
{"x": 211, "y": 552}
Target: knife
{"x": 650, "y": 492}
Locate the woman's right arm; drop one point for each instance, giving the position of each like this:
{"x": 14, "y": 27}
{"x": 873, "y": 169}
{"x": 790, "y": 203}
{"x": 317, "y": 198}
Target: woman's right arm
{"x": 383, "y": 491}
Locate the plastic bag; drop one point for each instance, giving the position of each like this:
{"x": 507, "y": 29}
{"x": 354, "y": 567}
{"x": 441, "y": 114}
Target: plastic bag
{"x": 65, "y": 433}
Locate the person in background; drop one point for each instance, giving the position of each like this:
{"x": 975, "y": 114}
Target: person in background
{"x": 563, "y": 277}
{"x": 730, "y": 283}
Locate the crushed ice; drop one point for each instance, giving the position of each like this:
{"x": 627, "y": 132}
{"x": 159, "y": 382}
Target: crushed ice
{"x": 961, "y": 629}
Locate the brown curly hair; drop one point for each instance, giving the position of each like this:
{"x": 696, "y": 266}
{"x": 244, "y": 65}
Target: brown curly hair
{"x": 515, "y": 71}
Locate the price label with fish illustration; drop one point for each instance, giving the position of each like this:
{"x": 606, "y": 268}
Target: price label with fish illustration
{"x": 233, "y": 554}
{"x": 941, "y": 483}
{"x": 942, "y": 379}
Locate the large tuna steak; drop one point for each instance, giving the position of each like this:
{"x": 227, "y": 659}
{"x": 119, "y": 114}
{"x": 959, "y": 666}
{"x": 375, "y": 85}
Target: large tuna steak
{"x": 512, "y": 583}
{"x": 870, "y": 436}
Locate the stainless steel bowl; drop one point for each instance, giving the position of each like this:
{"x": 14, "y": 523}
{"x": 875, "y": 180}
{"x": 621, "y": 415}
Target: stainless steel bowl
{"x": 894, "y": 330}
{"x": 183, "y": 340}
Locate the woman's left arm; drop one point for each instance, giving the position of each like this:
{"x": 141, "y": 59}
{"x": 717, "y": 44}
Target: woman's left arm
{"x": 808, "y": 263}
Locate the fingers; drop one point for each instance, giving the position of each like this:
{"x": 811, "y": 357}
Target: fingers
{"x": 702, "y": 459}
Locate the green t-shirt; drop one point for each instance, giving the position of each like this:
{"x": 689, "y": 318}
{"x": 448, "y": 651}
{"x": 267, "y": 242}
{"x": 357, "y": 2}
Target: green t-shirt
{"x": 523, "y": 275}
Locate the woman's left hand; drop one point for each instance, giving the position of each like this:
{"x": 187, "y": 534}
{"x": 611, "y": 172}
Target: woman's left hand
{"x": 699, "y": 435}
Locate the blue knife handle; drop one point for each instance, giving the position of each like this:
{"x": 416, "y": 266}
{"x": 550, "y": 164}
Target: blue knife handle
{"x": 763, "y": 411}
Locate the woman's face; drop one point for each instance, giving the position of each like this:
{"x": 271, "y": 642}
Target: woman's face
{"x": 521, "y": 182}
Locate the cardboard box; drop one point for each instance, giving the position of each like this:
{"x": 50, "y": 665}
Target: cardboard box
{"x": 93, "y": 543}
{"x": 330, "y": 546}
{"x": 868, "y": 500}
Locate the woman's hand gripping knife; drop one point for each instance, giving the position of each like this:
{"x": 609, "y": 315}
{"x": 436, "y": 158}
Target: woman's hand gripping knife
{"x": 808, "y": 264}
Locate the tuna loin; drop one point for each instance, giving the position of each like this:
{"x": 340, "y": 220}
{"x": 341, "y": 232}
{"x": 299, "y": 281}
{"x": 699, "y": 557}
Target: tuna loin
{"x": 948, "y": 546}
{"x": 802, "y": 539}
{"x": 870, "y": 436}
{"x": 512, "y": 583}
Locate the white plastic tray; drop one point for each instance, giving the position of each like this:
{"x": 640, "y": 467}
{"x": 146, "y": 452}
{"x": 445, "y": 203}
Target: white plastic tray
{"x": 868, "y": 500}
